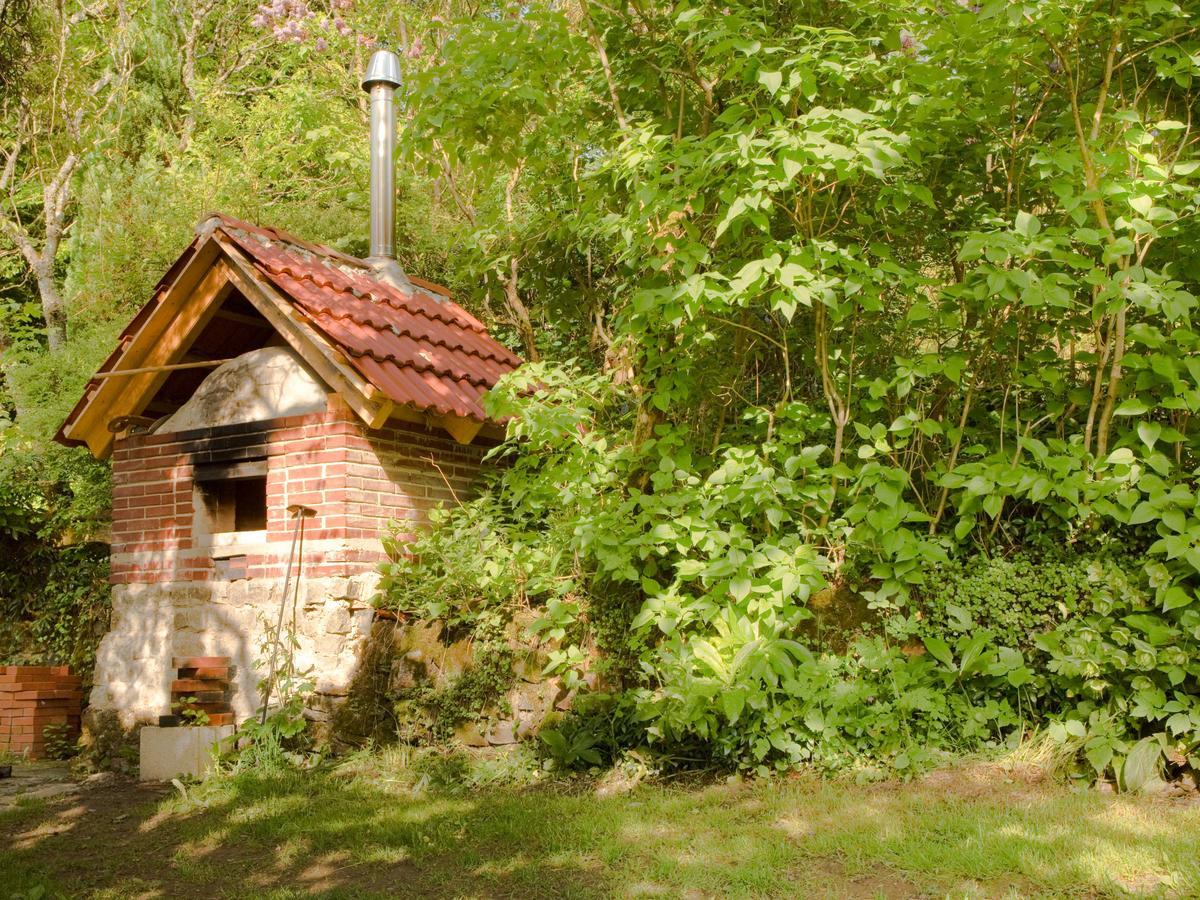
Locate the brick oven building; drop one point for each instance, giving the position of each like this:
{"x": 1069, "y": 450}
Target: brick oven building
{"x": 266, "y": 374}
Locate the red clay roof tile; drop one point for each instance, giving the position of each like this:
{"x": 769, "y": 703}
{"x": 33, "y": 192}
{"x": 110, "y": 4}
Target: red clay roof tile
{"x": 418, "y": 348}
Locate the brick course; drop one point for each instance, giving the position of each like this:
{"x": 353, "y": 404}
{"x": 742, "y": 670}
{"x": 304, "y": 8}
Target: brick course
{"x": 357, "y": 480}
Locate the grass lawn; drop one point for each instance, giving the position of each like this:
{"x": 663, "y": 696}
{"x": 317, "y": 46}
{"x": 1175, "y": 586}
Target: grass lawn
{"x": 980, "y": 830}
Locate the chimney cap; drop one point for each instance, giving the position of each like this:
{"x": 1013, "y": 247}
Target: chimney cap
{"x": 384, "y": 68}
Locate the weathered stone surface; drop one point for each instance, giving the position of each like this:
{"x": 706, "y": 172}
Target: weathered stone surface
{"x": 153, "y": 622}
{"x": 337, "y": 617}
{"x": 469, "y": 735}
{"x": 263, "y": 384}
{"x": 502, "y": 733}
{"x": 529, "y": 663}
{"x": 454, "y": 660}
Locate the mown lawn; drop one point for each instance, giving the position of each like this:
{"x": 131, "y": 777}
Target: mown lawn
{"x": 976, "y": 831}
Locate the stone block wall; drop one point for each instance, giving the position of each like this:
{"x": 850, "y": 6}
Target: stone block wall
{"x": 409, "y": 687}
{"x": 173, "y": 597}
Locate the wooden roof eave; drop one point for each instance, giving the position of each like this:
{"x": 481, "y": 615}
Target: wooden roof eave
{"x": 360, "y": 395}
{"x": 175, "y": 312}
{"x": 184, "y": 302}
{"x": 370, "y": 404}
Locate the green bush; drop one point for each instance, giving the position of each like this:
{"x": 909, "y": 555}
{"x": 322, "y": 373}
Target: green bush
{"x": 1017, "y": 597}
{"x": 55, "y": 603}
{"x": 725, "y": 552}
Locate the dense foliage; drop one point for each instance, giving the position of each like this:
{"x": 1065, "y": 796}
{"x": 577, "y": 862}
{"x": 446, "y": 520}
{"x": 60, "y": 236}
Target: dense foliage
{"x": 888, "y": 300}
{"x": 880, "y": 295}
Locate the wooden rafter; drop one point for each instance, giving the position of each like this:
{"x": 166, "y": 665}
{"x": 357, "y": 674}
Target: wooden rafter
{"x": 174, "y": 367}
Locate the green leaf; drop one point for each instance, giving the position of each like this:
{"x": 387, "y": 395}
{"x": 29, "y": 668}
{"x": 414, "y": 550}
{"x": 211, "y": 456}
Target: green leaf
{"x": 1141, "y": 765}
{"x": 1099, "y": 754}
{"x": 1122, "y": 456}
{"x": 1144, "y": 512}
{"x": 770, "y": 80}
{"x": 708, "y": 654}
{"x": 1028, "y": 225}
{"x": 1149, "y": 433}
{"x": 939, "y": 650}
{"x": 1175, "y": 597}
{"x": 740, "y": 587}
{"x": 733, "y": 701}
{"x": 1132, "y": 407}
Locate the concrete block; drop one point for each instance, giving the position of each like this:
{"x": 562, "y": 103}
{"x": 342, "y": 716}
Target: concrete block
{"x": 168, "y": 753}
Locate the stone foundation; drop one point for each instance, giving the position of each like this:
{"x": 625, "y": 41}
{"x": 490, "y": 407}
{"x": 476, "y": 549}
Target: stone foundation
{"x": 203, "y": 528}
{"x": 152, "y": 623}
{"x": 410, "y": 665}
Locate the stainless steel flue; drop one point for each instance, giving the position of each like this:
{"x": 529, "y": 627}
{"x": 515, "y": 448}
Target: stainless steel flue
{"x": 381, "y": 81}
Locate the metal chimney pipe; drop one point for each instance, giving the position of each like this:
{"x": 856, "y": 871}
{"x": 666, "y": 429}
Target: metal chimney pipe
{"x": 381, "y": 81}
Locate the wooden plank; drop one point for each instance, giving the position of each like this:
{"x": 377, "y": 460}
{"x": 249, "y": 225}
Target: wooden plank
{"x": 141, "y": 342}
{"x": 304, "y": 338}
{"x": 488, "y": 430}
{"x": 383, "y": 414}
{"x": 462, "y": 430}
{"x": 193, "y": 314}
{"x": 175, "y": 367}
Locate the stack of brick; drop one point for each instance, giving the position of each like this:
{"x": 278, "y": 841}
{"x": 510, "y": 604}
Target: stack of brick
{"x": 33, "y": 698}
{"x": 202, "y": 687}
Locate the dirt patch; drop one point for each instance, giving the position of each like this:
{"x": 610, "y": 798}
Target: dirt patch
{"x": 982, "y": 780}
{"x": 79, "y": 834}
{"x": 36, "y": 781}
{"x": 831, "y": 878}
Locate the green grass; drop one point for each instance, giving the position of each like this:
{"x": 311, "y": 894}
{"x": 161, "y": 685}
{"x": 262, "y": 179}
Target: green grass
{"x": 970, "y": 832}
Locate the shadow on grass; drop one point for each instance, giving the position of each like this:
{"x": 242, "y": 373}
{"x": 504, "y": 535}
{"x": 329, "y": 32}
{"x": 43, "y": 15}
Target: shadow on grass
{"x": 294, "y": 834}
{"x": 290, "y": 835}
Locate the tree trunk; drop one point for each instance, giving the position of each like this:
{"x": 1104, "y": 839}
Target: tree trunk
{"x": 520, "y": 313}
{"x": 53, "y": 310}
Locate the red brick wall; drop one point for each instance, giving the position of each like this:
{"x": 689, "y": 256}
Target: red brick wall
{"x": 357, "y": 480}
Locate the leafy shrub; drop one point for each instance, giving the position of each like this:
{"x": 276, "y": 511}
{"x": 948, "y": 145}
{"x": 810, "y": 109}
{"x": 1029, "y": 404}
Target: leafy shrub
{"x": 595, "y": 732}
{"x": 55, "y": 601}
{"x": 1126, "y": 671}
{"x": 725, "y": 553}
{"x": 54, "y": 592}
{"x": 58, "y": 741}
{"x": 1015, "y": 597}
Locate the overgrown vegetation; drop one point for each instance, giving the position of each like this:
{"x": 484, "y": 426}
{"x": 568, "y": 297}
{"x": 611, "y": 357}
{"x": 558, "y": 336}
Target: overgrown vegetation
{"x": 888, "y": 300}
{"x": 893, "y": 300}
